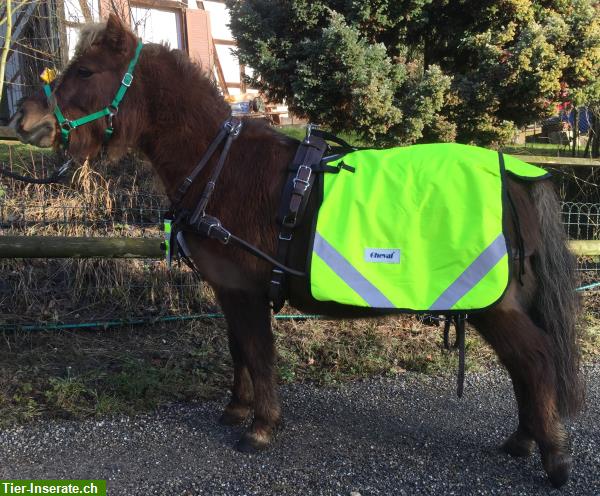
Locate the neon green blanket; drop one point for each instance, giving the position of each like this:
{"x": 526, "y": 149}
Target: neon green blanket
{"x": 417, "y": 228}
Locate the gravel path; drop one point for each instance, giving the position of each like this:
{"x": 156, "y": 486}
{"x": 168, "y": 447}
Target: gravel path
{"x": 407, "y": 435}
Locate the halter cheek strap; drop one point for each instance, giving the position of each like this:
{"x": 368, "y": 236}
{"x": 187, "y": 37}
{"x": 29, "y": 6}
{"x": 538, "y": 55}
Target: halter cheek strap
{"x": 66, "y": 125}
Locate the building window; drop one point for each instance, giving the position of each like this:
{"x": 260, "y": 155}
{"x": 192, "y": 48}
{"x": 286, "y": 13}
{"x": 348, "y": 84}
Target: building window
{"x": 157, "y": 26}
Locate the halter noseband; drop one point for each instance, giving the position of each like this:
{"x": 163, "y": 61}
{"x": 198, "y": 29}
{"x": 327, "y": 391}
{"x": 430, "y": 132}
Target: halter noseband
{"x": 66, "y": 125}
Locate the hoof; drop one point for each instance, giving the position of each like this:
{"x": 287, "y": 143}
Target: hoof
{"x": 234, "y": 416}
{"x": 253, "y": 442}
{"x": 558, "y": 468}
{"x": 518, "y": 444}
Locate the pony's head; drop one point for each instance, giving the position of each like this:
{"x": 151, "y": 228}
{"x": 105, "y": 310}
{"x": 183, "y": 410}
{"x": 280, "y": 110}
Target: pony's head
{"x": 89, "y": 84}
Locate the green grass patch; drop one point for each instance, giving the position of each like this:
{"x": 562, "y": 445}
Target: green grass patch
{"x": 328, "y": 352}
{"x": 86, "y": 374}
{"x": 17, "y": 152}
{"x": 590, "y": 339}
{"x": 81, "y": 374}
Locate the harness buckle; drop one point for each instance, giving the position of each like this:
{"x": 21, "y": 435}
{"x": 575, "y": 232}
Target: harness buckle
{"x": 303, "y": 176}
{"x": 233, "y": 127}
{"x": 225, "y": 240}
{"x": 225, "y": 234}
{"x": 127, "y": 79}
{"x": 285, "y": 238}
{"x": 309, "y": 130}
{"x": 276, "y": 274}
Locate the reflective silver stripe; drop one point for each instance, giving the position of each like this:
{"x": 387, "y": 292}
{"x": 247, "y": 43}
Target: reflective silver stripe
{"x": 352, "y": 277}
{"x": 472, "y": 275}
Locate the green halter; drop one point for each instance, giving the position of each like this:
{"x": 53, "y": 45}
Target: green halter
{"x": 66, "y": 125}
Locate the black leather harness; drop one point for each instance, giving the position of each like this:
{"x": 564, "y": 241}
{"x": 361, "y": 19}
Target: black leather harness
{"x": 301, "y": 176}
{"x": 197, "y": 222}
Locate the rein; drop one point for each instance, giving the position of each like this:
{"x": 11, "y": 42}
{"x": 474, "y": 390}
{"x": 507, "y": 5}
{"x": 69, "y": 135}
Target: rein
{"x": 66, "y": 125}
{"x": 55, "y": 178}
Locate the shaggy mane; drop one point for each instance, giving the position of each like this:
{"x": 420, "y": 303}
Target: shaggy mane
{"x": 88, "y": 34}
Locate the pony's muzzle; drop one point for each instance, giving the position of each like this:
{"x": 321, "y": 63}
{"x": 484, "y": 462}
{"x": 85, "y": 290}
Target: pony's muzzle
{"x": 34, "y": 127}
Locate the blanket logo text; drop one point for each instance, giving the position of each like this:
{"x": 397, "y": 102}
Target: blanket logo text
{"x": 382, "y": 255}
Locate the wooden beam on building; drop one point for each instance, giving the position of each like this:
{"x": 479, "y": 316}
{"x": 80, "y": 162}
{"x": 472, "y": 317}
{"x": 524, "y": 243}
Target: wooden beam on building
{"x": 242, "y": 78}
{"x": 220, "y": 75}
{"x": 86, "y": 11}
{"x": 219, "y": 41}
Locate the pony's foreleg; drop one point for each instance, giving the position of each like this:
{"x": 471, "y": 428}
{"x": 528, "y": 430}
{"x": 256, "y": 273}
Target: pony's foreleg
{"x": 526, "y": 352}
{"x": 249, "y": 318}
{"x": 242, "y": 395}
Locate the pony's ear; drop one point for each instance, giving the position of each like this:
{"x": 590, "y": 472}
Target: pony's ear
{"x": 115, "y": 34}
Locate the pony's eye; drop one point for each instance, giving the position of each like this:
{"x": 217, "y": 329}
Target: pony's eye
{"x": 84, "y": 72}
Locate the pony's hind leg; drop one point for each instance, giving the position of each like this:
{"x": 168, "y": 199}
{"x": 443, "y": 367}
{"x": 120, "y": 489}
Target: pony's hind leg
{"x": 521, "y": 442}
{"x": 525, "y": 350}
{"x": 242, "y": 395}
{"x": 249, "y": 319}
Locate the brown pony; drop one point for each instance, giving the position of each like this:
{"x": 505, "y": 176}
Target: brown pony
{"x": 172, "y": 111}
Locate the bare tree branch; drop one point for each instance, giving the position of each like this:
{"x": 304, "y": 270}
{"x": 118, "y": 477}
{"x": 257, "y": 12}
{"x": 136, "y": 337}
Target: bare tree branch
{"x": 6, "y": 47}
{"x": 16, "y": 7}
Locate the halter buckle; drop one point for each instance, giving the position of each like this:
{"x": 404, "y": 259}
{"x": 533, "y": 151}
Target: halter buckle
{"x": 127, "y": 79}
{"x": 67, "y": 125}
{"x": 64, "y": 167}
{"x": 112, "y": 111}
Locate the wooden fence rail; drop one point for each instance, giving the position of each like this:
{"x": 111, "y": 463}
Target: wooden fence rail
{"x": 544, "y": 161}
{"x": 82, "y": 247}
{"x": 79, "y": 247}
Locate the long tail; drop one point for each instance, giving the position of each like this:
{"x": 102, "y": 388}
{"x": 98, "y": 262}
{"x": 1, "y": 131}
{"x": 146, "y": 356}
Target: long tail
{"x": 556, "y": 302}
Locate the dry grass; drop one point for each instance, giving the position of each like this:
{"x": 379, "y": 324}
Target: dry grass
{"x": 93, "y": 373}
{"x": 96, "y": 202}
